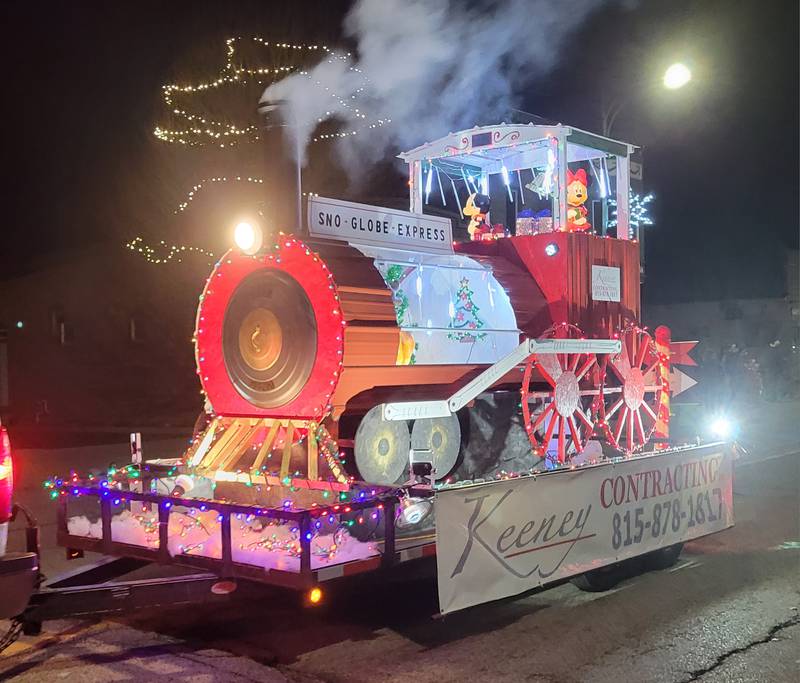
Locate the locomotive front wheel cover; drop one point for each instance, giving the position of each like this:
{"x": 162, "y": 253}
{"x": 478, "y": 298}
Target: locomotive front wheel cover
{"x": 267, "y": 307}
{"x": 269, "y": 335}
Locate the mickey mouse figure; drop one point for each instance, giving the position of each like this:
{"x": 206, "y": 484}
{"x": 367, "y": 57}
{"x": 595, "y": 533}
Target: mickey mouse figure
{"x": 477, "y": 209}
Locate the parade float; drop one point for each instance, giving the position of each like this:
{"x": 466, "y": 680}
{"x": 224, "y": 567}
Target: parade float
{"x": 470, "y": 379}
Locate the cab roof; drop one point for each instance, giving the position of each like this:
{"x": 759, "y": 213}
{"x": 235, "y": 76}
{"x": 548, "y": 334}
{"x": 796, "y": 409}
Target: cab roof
{"x": 513, "y": 146}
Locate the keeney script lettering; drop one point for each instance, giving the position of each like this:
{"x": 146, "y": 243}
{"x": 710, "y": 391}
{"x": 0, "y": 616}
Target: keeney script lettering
{"x": 562, "y": 531}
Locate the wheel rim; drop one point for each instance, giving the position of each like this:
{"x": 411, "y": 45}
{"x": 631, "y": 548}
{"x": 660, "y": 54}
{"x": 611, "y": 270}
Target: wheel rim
{"x": 268, "y": 308}
{"x": 381, "y": 448}
{"x": 442, "y": 435}
{"x": 631, "y": 392}
{"x": 559, "y": 392}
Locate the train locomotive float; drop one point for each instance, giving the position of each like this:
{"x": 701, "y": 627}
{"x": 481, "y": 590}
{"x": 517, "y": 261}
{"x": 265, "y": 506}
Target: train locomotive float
{"x": 364, "y": 363}
{"x": 342, "y": 327}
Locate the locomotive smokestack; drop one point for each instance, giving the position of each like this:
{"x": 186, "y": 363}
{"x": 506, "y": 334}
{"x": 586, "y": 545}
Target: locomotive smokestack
{"x": 282, "y": 169}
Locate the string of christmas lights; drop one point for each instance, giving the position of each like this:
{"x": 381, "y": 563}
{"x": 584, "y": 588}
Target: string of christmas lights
{"x": 197, "y": 187}
{"x": 164, "y": 253}
{"x": 192, "y": 194}
{"x": 199, "y": 129}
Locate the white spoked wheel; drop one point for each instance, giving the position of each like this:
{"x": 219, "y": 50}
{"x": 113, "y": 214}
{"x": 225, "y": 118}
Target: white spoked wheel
{"x": 631, "y": 392}
{"x": 559, "y": 392}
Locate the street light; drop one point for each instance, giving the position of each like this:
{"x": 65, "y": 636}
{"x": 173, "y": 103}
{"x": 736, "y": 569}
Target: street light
{"x": 676, "y": 76}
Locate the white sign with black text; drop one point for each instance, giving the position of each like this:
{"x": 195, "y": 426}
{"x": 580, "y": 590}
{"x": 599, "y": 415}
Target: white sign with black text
{"x": 605, "y": 283}
{"x": 503, "y": 538}
{"x": 378, "y": 226}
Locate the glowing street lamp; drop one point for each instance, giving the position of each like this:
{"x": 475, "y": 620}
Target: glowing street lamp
{"x": 676, "y": 76}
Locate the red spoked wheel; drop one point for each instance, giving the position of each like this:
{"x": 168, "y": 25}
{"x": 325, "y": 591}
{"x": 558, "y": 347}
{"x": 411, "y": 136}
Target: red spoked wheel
{"x": 559, "y": 392}
{"x": 631, "y": 392}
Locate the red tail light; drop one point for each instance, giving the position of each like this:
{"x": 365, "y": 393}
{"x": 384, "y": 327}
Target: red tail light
{"x": 6, "y": 476}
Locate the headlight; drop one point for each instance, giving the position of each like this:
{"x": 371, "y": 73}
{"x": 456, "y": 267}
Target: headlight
{"x": 721, "y": 427}
{"x": 413, "y": 511}
{"x": 248, "y": 237}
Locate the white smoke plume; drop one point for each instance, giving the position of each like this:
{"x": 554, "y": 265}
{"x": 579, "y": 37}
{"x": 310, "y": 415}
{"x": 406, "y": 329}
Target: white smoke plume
{"x": 431, "y": 66}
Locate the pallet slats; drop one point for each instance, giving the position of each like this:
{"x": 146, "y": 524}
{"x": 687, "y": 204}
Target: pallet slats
{"x": 227, "y": 444}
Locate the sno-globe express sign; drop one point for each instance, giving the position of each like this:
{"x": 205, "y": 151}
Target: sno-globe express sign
{"x": 500, "y": 539}
{"x": 378, "y": 226}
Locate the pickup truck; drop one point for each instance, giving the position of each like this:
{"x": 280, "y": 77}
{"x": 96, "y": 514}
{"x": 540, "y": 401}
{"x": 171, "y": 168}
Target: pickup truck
{"x": 18, "y": 570}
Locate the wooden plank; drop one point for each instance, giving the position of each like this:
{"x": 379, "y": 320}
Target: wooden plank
{"x": 313, "y": 456}
{"x": 232, "y": 446}
{"x": 269, "y": 439}
{"x": 206, "y": 437}
{"x": 217, "y": 451}
{"x": 287, "y": 450}
{"x": 238, "y": 445}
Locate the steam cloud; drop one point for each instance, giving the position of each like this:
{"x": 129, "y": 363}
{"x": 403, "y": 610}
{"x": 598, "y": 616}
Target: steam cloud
{"x": 431, "y": 66}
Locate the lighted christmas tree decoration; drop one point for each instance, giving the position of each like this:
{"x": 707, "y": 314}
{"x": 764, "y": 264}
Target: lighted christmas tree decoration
{"x": 464, "y": 319}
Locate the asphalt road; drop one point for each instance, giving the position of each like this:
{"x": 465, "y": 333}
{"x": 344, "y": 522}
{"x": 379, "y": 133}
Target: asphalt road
{"x": 728, "y": 611}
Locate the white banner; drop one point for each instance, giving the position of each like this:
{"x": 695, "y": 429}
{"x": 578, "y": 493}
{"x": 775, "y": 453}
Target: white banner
{"x": 500, "y": 539}
{"x": 378, "y": 226}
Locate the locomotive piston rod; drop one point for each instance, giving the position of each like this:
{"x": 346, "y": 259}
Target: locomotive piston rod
{"x": 417, "y": 410}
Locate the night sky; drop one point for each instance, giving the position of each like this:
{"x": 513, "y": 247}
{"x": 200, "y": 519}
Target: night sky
{"x": 82, "y": 81}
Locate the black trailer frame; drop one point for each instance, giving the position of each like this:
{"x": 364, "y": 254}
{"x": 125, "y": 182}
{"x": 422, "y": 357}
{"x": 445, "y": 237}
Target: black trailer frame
{"x": 98, "y": 589}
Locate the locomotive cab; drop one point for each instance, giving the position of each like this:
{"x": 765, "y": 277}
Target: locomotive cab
{"x": 537, "y": 178}
{"x": 563, "y": 197}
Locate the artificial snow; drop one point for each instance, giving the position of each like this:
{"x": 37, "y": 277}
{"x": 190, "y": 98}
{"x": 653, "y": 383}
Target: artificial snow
{"x": 255, "y": 541}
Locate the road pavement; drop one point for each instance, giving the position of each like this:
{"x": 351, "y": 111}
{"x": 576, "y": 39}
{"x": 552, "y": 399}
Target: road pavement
{"x": 727, "y": 611}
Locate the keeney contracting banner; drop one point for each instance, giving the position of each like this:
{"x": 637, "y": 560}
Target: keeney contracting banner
{"x": 502, "y": 538}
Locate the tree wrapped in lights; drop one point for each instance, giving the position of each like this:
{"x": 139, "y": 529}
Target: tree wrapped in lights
{"x": 219, "y": 110}
{"x": 214, "y": 123}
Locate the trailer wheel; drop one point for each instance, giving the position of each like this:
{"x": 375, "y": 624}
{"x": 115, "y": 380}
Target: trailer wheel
{"x": 599, "y": 580}
{"x": 663, "y": 558}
